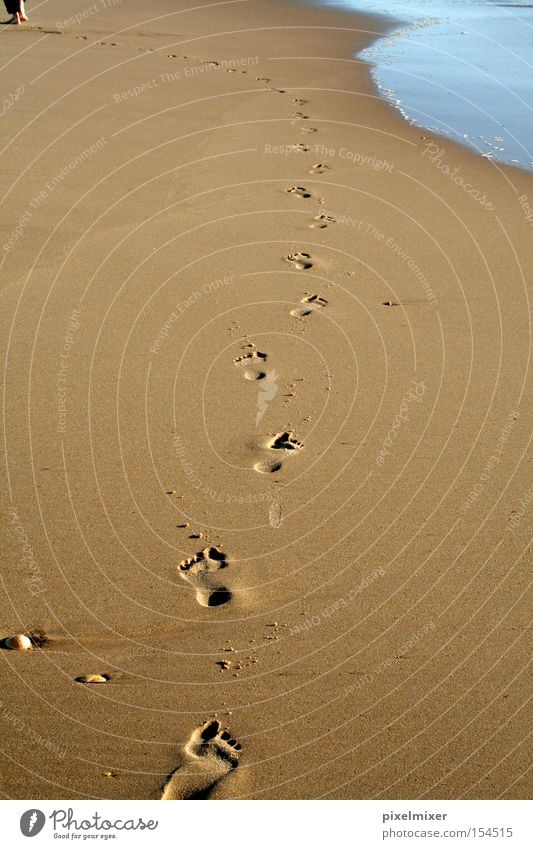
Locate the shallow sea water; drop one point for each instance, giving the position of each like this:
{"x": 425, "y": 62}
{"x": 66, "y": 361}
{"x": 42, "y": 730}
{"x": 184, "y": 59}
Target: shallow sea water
{"x": 462, "y": 68}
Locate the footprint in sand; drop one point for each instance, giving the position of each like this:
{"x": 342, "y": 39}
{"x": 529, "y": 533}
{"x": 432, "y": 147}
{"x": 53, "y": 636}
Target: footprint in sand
{"x": 285, "y": 441}
{"x": 299, "y": 100}
{"x": 254, "y": 374}
{"x": 211, "y": 754}
{"x": 299, "y": 191}
{"x": 202, "y": 572}
{"x": 250, "y": 360}
{"x": 319, "y": 168}
{"x": 300, "y": 260}
{"x": 308, "y": 130}
{"x": 267, "y": 467}
{"x": 299, "y": 115}
{"x": 263, "y": 79}
{"x": 322, "y": 220}
{"x": 250, "y": 357}
{"x": 311, "y": 303}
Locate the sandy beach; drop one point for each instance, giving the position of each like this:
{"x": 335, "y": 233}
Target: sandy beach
{"x": 266, "y": 418}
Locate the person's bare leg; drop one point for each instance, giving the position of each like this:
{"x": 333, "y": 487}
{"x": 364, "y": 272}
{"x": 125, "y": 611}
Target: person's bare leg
{"x": 22, "y": 14}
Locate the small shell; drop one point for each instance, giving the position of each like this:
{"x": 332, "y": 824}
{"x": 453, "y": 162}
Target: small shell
{"x": 93, "y": 679}
{"x": 19, "y": 642}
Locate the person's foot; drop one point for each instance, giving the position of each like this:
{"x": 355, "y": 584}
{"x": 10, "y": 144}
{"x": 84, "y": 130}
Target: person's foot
{"x": 14, "y": 19}
{"x": 22, "y": 14}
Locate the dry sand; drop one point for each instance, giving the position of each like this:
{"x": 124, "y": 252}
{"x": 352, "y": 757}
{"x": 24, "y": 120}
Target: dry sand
{"x": 358, "y": 621}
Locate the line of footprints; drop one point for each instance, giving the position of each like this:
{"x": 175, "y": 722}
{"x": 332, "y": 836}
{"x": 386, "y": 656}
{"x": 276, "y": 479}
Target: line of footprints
{"x": 211, "y": 752}
{"x": 203, "y": 570}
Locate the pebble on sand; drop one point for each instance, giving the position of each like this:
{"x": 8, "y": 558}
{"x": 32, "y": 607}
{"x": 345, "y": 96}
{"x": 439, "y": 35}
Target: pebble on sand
{"x": 19, "y": 642}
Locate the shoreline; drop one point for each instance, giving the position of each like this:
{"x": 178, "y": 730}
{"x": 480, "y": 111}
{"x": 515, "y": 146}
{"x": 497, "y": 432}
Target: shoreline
{"x": 394, "y": 73}
{"x": 236, "y": 504}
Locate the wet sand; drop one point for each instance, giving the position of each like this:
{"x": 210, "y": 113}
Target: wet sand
{"x": 266, "y": 352}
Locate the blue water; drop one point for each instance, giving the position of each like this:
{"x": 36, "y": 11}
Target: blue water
{"x": 462, "y": 68}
